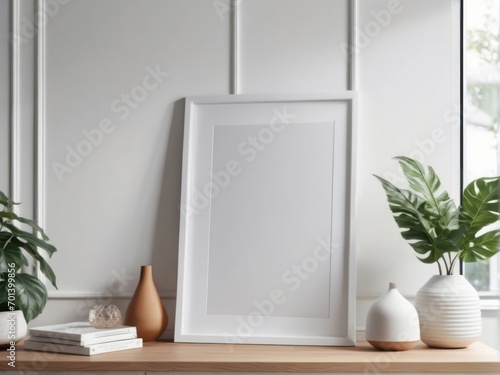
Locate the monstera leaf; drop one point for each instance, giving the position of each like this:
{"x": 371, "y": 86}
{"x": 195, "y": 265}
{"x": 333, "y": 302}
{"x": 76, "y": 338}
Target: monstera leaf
{"x": 416, "y": 222}
{"x": 480, "y": 208}
{"x": 426, "y": 183}
{"x": 20, "y": 248}
{"x": 10, "y": 253}
{"x": 5, "y": 201}
{"x": 431, "y": 222}
{"x": 30, "y": 295}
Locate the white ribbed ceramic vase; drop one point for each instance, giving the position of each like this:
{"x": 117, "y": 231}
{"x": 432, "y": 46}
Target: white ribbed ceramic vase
{"x": 449, "y": 313}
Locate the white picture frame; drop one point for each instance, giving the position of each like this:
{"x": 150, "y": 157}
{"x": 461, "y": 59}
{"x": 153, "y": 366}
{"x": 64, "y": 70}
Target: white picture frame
{"x": 266, "y": 247}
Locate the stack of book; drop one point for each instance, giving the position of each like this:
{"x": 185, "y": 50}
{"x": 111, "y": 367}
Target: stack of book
{"x": 81, "y": 338}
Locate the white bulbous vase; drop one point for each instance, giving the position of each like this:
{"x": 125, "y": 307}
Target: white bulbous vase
{"x": 13, "y": 327}
{"x": 392, "y": 322}
{"x": 449, "y": 312}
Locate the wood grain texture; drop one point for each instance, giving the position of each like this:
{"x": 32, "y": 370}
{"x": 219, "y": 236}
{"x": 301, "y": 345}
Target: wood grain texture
{"x": 169, "y": 357}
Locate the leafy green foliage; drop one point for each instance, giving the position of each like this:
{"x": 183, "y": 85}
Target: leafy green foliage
{"x": 28, "y": 292}
{"x": 410, "y": 215}
{"x": 431, "y": 222}
{"x": 11, "y": 253}
{"x": 480, "y": 208}
{"x": 5, "y": 201}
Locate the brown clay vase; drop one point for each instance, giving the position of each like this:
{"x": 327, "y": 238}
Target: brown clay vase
{"x": 145, "y": 310}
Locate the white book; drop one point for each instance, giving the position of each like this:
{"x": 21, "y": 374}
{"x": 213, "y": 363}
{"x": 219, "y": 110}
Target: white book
{"x": 79, "y": 331}
{"x": 106, "y": 347}
{"x": 84, "y": 341}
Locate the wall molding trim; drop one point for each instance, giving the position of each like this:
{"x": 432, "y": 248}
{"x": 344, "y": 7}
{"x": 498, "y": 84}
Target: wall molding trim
{"x": 15, "y": 165}
{"x": 234, "y": 46}
{"x": 40, "y": 169}
{"x": 374, "y": 296}
{"x": 353, "y": 9}
{"x": 79, "y": 295}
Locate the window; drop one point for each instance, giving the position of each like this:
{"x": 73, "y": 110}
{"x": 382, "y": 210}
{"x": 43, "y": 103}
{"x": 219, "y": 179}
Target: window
{"x": 482, "y": 115}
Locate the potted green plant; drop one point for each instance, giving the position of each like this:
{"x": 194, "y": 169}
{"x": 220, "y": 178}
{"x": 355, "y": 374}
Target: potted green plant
{"x": 442, "y": 233}
{"x": 20, "y": 249}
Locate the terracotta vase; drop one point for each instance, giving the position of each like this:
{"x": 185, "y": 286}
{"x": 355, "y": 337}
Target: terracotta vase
{"x": 145, "y": 310}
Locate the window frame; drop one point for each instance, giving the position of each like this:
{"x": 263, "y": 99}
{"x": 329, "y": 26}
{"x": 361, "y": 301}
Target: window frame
{"x": 490, "y": 300}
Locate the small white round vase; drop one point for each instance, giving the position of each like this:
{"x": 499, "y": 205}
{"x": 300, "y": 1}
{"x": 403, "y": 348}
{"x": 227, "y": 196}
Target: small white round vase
{"x": 13, "y": 327}
{"x": 392, "y": 322}
{"x": 449, "y": 312}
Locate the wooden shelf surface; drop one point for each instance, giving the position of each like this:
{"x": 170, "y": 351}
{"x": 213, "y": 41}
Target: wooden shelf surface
{"x": 173, "y": 357}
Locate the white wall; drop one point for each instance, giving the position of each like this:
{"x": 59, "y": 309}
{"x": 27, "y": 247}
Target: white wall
{"x": 4, "y": 100}
{"x": 115, "y": 206}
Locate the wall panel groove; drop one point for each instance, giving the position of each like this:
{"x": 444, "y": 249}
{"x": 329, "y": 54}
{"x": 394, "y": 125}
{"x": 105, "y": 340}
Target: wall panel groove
{"x": 353, "y": 5}
{"x": 22, "y": 37}
{"x": 39, "y": 144}
{"x": 14, "y": 173}
{"x": 235, "y": 45}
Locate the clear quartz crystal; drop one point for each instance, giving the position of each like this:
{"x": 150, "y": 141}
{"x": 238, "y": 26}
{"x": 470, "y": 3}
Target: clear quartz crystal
{"x": 105, "y": 316}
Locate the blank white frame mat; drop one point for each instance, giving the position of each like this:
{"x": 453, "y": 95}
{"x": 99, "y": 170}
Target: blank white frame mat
{"x": 266, "y": 247}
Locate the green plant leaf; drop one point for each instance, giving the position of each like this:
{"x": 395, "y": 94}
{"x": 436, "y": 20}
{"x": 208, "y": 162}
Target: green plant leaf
{"x": 5, "y": 201}
{"x": 33, "y": 225}
{"x": 11, "y": 253}
{"x": 411, "y": 215}
{"x": 482, "y": 247}
{"x": 30, "y": 238}
{"x": 434, "y": 226}
{"x": 480, "y": 204}
{"x": 30, "y": 294}
{"x": 44, "y": 266}
{"x": 33, "y": 251}
{"x": 426, "y": 183}
{"x": 480, "y": 208}
{"x": 48, "y": 271}
{"x": 5, "y": 237}
{"x": 3, "y": 296}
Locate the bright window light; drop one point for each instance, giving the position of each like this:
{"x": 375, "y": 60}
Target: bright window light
{"x": 482, "y": 115}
